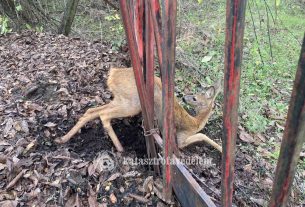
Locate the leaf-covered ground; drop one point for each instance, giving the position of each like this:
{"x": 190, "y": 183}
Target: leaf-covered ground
{"x": 47, "y": 82}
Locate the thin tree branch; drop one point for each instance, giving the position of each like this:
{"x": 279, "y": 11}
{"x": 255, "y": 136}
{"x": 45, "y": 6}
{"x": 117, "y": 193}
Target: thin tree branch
{"x": 112, "y": 5}
{"x": 254, "y": 28}
{"x": 268, "y": 30}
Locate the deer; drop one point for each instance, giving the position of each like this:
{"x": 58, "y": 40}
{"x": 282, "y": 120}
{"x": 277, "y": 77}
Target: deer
{"x": 126, "y": 103}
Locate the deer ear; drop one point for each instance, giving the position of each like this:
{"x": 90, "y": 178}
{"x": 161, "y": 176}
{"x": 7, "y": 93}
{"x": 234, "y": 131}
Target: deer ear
{"x": 210, "y": 92}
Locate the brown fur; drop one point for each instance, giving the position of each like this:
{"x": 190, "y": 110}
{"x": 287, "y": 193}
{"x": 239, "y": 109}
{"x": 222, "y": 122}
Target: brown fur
{"x": 126, "y": 102}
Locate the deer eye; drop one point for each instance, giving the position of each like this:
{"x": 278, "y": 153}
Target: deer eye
{"x": 194, "y": 98}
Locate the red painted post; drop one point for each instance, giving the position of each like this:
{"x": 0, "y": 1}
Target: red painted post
{"x": 135, "y": 40}
{"x": 148, "y": 70}
{"x": 235, "y": 19}
{"x": 168, "y": 44}
{"x": 138, "y": 22}
{"x": 293, "y": 138}
{"x": 142, "y": 60}
{"x": 154, "y": 7}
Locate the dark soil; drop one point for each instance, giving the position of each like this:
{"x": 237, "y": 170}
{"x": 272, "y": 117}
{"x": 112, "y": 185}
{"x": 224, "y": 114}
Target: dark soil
{"x": 93, "y": 140}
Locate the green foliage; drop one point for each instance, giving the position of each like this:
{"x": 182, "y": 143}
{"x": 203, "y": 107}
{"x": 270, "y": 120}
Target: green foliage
{"x": 116, "y": 29}
{"x": 29, "y": 27}
{"x": 36, "y": 28}
{"x": 39, "y": 28}
{"x": 256, "y": 122}
{"x": 277, "y": 3}
{"x": 18, "y": 8}
{"x": 266, "y": 82}
{"x": 275, "y": 154}
{"x": 4, "y": 25}
{"x": 112, "y": 17}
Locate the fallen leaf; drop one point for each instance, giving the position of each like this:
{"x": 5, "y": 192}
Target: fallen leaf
{"x": 260, "y": 137}
{"x": 139, "y": 198}
{"x": 113, "y": 177}
{"x": 92, "y": 198}
{"x": 8, "y": 203}
{"x": 161, "y": 204}
{"x": 131, "y": 174}
{"x": 4, "y": 143}
{"x": 29, "y": 146}
{"x": 91, "y": 169}
{"x": 64, "y": 90}
{"x": 246, "y": 137}
{"x": 2, "y": 166}
{"x": 267, "y": 183}
{"x": 25, "y": 126}
{"x": 73, "y": 201}
{"x": 15, "y": 180}
{"x": 55, "y": 183}
{"x": 259, "y": 201}
{"x": 107, "y": 188}
{"x": 82, "y": 164}
{"x": 8, "y": 126}
{"x": 17, "y": 126}
{"x": 264, "y": 152}
{"x": 33, "y": 194}
{"x": 50, "y": 124}
{"x": 148, "y": 184}
{"x": 206, "y": 58}
{"x": 22, "y": 142}
{"x": 248, "y": 167}
{"x": 113, "y": 198}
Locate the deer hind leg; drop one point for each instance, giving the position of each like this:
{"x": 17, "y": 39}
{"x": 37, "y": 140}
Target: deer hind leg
{"x": 90, "y": 115}
{"x": 117, "y": 111}
{"x": 199, "y": 138}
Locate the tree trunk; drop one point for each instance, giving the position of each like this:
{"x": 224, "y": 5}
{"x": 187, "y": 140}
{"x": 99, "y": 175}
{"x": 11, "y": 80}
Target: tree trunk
{"x": 28, "y": 14}
{"x": 67, "y": 20}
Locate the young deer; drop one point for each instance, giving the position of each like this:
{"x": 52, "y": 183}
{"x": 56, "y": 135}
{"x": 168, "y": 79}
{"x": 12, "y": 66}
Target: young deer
{"x": 126, "y": 102}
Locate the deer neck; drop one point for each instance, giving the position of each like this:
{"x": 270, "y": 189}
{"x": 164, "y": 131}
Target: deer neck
{"x": 188, "y": 122}
{"x": 183, "y": 120}
{"x": 202, "y": 118}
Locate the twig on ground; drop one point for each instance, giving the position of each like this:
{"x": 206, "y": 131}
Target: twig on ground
{"x": 138, "y": 197}
{"x": 15, "y": 180}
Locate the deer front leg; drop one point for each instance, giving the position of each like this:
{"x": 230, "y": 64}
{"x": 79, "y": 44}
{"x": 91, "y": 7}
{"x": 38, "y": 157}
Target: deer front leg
{"x": 199, "y": 138}
{"x": 119, "y": 109}
{"x": 90, "y": 115}
{"x": 108, "y": 127}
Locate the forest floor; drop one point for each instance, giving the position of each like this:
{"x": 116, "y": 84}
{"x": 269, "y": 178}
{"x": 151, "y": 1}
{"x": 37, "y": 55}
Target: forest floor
{"x": 47, "y": 82}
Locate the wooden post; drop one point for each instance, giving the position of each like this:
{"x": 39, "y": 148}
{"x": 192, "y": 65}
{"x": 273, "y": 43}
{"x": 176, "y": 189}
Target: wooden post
{"x": 293, "y": 138}
{"x": 67, "y": 20}
{"x": 168, "y": 45}
{"x": 235, "y": 23}
{"x": 135, "y": 38}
